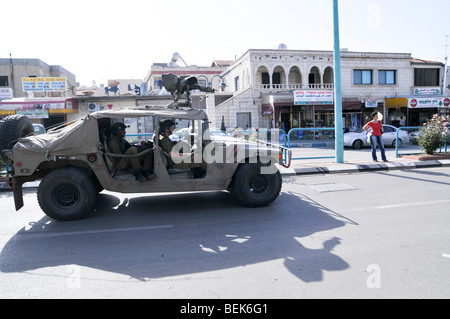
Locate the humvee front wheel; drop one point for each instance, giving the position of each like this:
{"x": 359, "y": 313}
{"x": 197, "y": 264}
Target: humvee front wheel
{"x": 254, "y": 186}
{"x": 67, "y": 194}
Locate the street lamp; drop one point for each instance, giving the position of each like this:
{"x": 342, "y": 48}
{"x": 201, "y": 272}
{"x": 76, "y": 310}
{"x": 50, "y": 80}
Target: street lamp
{"x": 222, "y": 83}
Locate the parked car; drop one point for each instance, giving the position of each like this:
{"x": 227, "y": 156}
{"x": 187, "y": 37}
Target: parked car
{"x": 358, "y": 139}
{"x": 414, "y": 136}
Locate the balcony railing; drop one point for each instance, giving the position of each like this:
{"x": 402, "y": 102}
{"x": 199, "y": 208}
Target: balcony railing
{"x": 271, "y": 87}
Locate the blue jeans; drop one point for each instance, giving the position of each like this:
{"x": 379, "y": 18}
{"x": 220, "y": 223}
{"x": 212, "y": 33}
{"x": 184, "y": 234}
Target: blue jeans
{"x": 374, "y": 141}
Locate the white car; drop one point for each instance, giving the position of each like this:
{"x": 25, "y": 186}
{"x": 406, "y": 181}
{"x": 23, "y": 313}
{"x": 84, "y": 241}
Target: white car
{"x": 358, "y": 139}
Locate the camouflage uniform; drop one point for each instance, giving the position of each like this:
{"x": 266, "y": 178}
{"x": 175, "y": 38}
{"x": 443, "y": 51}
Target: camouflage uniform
{"x": 167, "y": 145}
{"x": 121, "y": 146}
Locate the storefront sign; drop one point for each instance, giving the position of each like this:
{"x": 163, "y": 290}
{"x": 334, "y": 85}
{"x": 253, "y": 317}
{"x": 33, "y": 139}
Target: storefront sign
{"x": 313, "y": 97}
{"x": 44, "y": 84}
{"x": 427, "y": 91}
{"x": 39, "y": 106}
{"x": 37, "y": 114}
{"x": 419, "y": 102}
{"x": 371, "y": 102}
{"x": 6, "y": 93}
{"x": 25, "y": 106}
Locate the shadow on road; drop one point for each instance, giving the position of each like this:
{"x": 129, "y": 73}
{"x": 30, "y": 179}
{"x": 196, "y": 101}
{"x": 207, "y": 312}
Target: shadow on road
{"x": 165, "y": 235}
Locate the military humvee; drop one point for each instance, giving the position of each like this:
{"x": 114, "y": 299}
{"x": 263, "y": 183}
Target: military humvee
{"x": 73, "y": 163}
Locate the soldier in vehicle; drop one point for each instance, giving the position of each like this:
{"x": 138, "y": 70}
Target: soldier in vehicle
{"x": 175, "y": 159}
{"x": 119, "y": 145}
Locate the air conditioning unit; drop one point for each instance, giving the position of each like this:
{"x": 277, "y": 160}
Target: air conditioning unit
{"x": 94, "y": 106}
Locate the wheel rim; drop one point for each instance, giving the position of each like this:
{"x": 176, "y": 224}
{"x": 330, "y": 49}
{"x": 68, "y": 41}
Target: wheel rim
{"x": 258, "y": 184}
{"x": 66, "y": 196}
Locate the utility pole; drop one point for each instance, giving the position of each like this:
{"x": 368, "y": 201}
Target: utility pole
{"x": 339, "y": 132}
{"x": 445, "y": 66}
{"x": 11, "y": 70}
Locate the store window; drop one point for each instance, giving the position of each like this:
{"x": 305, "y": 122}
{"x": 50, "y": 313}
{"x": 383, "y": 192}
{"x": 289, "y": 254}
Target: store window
{"x": 362, "y": 77}
{"x": 387, "y": 77}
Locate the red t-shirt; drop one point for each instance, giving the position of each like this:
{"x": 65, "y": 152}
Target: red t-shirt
{"x": 376, "y": 128}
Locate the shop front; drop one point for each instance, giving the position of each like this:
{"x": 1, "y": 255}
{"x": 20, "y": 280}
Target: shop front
{"x": 311, "y": 109}
{"x": 415, "y": 110}
{"x": 47, "y": 111}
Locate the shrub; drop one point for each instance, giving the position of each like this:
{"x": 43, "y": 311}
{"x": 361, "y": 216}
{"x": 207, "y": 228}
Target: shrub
{"x": 434, "y": 134}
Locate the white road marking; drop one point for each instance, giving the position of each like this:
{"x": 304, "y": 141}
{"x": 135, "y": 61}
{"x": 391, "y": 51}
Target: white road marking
{"x": 415, "y": 204}
{"x": 90, "y": 232}
{"x": 444, "y": 201}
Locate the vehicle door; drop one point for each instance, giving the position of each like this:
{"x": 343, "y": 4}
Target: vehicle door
{"x": 389, "y": 134}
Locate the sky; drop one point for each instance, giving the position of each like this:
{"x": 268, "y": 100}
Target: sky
{"x": 111, "y": 39}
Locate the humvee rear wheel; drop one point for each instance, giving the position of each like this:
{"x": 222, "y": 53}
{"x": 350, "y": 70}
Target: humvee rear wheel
{"x": 67, "y": 194}
{"x": 253, "y": 187}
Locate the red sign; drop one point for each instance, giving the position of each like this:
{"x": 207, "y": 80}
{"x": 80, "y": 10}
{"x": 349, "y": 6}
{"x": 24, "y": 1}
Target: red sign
{"x": 446, "y": 101}
{"x": 413, "y": 103}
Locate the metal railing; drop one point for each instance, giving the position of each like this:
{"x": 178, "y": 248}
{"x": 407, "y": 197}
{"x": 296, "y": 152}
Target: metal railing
{"x": 396, "y": 139}
{"x": 318, "y": 140}
{"x": 442, "y": 148}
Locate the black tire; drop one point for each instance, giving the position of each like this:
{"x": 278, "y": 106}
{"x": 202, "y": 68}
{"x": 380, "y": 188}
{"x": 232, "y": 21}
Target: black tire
{"x": 400, "y": 143}
{"x": 358, "y": 144}
{"x": 13, "y": 128}
{"x": 67, "y": 194}
{"x": 253, "y": 188}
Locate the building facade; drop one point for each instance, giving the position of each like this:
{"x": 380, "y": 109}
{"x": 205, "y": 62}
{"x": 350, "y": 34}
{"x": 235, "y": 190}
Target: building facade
{"x": 36, "y": 89}
{"x": 264, "y": 83}
{"x": 13, "y": 70}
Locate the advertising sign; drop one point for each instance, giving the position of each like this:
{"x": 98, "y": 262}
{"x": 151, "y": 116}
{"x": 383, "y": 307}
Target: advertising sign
{"x": 420, "y": 102}
{"x": 34, "y": 114}
{"x": 44, "y": 84}
{"x": 427, "y": 91}
{"x": 6, "y": 93}
{"x": 371, "y": 102}
{"x": 313, "y": 97}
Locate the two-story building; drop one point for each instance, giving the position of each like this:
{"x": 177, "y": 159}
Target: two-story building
{"x": 34, "y": 88}
{"x": 291, "y": 88}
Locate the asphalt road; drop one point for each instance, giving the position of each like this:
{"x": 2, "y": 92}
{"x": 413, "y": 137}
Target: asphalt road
{"x": 363, "y": 235}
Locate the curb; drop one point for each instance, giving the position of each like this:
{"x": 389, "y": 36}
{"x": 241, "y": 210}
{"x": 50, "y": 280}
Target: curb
{"x": 357, "y": 168}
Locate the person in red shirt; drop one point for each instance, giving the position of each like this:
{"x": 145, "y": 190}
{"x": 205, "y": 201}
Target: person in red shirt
{"x": 376, "y": 137}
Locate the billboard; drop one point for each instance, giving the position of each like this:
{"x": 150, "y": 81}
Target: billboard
{"x": 44, "y": 84}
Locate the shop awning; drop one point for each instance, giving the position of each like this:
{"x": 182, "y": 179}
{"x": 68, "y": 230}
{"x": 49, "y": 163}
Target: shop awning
{"x": 346, "y": 105}
{"x": 267, "y": 109}
{"x": 396, "y": 102}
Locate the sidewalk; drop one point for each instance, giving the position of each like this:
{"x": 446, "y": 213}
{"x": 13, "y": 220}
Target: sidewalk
{"x": 306, "y": 167}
